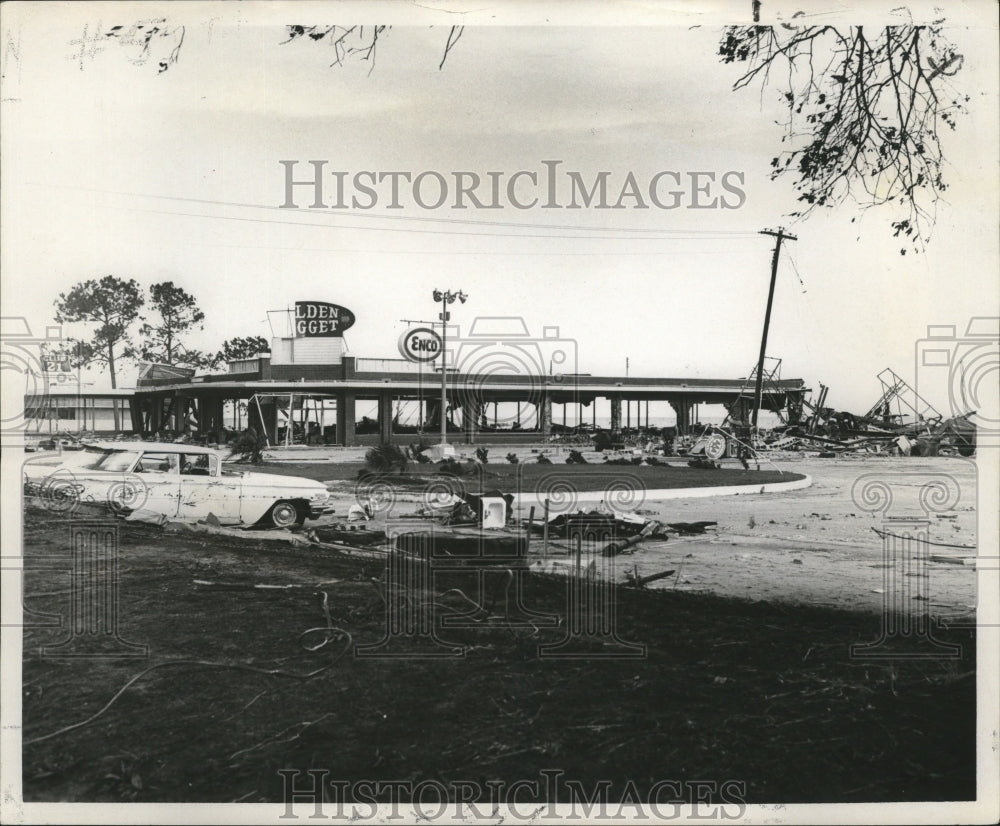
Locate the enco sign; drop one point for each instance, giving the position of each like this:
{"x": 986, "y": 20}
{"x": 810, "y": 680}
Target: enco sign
{"x": 420, "y": 344}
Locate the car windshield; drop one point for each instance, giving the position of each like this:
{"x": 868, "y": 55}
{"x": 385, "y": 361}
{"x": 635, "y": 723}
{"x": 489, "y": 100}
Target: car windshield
{"x": 117, "y": 460}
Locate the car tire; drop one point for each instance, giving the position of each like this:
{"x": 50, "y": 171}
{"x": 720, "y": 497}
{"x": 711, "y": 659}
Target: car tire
{"x": 284, "y": 514}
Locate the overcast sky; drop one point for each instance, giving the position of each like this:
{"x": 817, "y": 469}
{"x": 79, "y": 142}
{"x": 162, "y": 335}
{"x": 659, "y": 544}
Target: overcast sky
{"x": 110, "y": 166}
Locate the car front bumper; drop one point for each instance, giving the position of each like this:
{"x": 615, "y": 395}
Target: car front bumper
{"x": 318, "y": 509}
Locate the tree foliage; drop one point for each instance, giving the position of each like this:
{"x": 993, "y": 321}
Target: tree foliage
{"x": 112, "y": 306}
{"x": 177, "y": 314}
{"x": 240, "y": 348}
{"x": 864, "y": 109}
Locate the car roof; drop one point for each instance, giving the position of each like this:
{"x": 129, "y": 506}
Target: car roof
{"x": 152, "y": 447}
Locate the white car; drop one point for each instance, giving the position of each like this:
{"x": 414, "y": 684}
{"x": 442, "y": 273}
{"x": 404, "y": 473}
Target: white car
{"x": 176, "y": 480}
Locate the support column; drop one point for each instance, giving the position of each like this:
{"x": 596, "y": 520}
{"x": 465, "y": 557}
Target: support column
{"x": 616, "y": 414}
{"x": 210, "y": 420}
{"x": 471, "y": 412}
{"x": 135, "y": 411}
{"x": 682, "y": 408}
{"x": 385, "y": 417}
{"x": 345, "y": 418}
{"x": 268, "y": 412}
{"x": 155, "y": 414}
{"x": 545, "y": 415}
{"x": 181, "y": 413}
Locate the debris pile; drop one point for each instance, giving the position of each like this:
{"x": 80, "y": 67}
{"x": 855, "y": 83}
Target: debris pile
{"x": 899, "y": 423}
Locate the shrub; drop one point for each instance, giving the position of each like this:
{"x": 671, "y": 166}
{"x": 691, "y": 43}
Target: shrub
{"x": 449, "y": 467}
{"x": 512, "y": 458}
{"x": 386, "y": 459}
{"x": 417, "y": 452}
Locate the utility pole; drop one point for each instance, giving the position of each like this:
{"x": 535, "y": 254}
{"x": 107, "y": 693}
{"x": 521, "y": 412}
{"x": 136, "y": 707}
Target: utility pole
{"x": 780, "y": 235}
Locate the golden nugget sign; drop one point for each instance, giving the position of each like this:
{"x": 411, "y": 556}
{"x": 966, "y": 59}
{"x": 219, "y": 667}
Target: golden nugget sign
{"x": 318, "y": 319}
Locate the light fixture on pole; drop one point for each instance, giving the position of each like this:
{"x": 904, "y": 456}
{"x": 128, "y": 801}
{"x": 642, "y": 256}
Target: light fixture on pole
{"x": 446, "y": 297}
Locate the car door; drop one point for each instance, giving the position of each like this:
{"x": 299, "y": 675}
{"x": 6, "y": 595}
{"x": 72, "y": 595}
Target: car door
{"x": 158, "y": 472}
{"x": 205, "y": 491}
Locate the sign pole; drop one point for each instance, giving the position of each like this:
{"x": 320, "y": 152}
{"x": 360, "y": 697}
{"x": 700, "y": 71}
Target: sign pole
{"x": 446, "y": 297}
{"x": 444, "y": 371}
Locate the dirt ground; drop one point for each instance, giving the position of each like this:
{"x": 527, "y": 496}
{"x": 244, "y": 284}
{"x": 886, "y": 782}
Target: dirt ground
{"x": 746, "y": 672}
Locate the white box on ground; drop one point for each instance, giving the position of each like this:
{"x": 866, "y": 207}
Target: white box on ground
{"x": 494, "y": 512}
{"x": 438, "y": 452}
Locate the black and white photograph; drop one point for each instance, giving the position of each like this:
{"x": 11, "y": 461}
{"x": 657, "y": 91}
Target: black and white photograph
{"x": 495, "y": 413}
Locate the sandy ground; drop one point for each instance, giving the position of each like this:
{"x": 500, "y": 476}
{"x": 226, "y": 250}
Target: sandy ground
{"x": 815, "y": 545}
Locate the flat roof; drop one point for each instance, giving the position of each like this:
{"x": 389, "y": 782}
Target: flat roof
{"x": 580, "y": 385}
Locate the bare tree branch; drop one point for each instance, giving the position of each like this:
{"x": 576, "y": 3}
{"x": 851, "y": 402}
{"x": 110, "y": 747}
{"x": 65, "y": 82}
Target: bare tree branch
{"x": 864, "y": 126}
{"x": 359, "y": 42}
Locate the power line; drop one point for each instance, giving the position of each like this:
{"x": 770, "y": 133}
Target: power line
{"x": 412, "y": 230}
{"x": 693, "y": 233}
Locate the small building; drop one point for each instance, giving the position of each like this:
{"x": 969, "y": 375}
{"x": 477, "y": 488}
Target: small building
{"x": 67, "y": 408}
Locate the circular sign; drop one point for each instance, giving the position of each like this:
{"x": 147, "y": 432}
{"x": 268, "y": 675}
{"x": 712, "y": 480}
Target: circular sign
{"x": 420, "y": 344}
{"x": 715, "y": 447}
